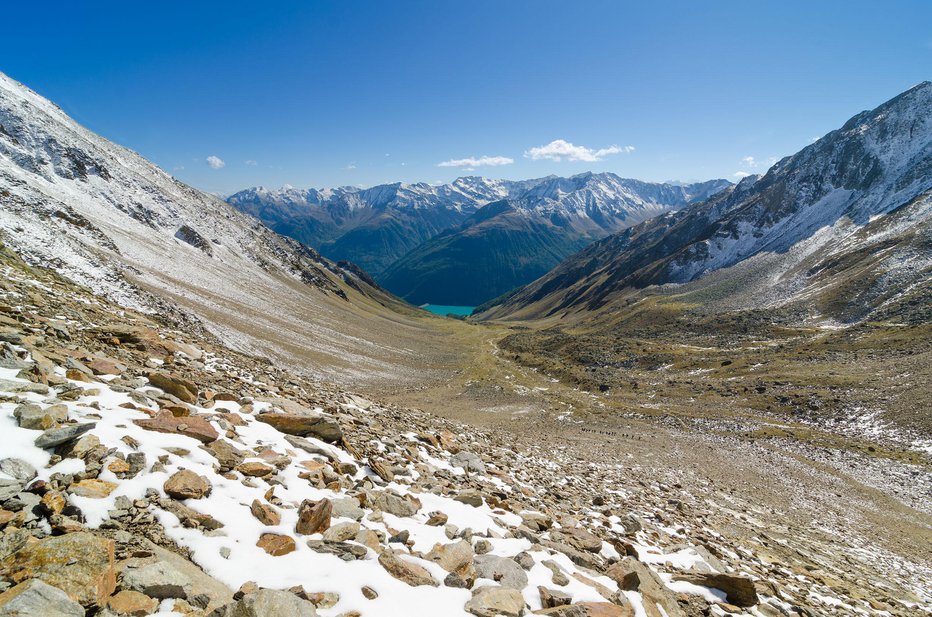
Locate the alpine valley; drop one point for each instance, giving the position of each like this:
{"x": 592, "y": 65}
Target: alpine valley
{"x": 676, "y": 400}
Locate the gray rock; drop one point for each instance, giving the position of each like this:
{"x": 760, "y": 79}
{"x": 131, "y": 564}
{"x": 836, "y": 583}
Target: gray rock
{"x": 387, "y": 501}
{"x": 57, "y": 436}
{"x": 12, "y": 542}
{"x": 496, "y": 601}
{"x": 347, "y": 507}
{"x": 470, "y": 497}
{"x": 267, "y": 603}
{"x": 35, "y": 597}
{"x": 9, "y": 488}
{"x": 506, "y": 572}
{"x": 158, "y": 579}
{"x": 468, "y": 461}
{"x": 18, "y": 468}
{"x": 9, "y": 385}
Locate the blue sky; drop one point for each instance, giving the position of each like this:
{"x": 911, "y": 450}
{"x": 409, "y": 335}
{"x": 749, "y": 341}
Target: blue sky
{"x": 335, "y": 93}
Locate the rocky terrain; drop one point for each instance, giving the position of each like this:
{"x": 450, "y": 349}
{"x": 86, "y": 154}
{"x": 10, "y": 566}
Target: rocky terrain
{"x": 149, "y": 471}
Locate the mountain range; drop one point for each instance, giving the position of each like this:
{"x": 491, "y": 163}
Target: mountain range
{"x": 840, "y": 229}
{"x": 489, "y": 236}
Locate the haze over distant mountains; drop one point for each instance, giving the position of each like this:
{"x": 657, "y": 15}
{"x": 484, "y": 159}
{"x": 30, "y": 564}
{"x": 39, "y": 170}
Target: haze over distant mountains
{"x": 468, "y": 241}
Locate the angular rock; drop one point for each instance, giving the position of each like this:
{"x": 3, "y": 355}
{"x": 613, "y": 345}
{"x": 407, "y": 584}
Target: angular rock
{"x": 226, "y": 454}
{"x": 347, "y": 507}
{"x": 496, "y": 601}
{"x": 469, "y": 461}
{"x": 632, "y": 575}
{"x": 88, "y": 580}
{"x": 320, "y": 426}
{"x": 452, "y": 557}
{"x": 9, "y": 488}
{"x": 93, "y": 488}
{"x": 387, "y": 501}
{"x": 32, "y": 416}
{"x": 57, "y": 436}
{"x": 186, "y": 484}
{"x": 155, "y": 578}
{"x": 189, "y": 426}
{"x": 341, "y": 532}
{"x": 578, "y": 538}
{"x": 589, "y": 609}
{"x": 313, "y": 517}
{"x": 18, "y": 469}
{"x": 266, "y": 514}
{"x": 35, "y": 597}
{"x": 405, "y": 571}
{"x": 469, "y": 497}
{"x": 267, "y": 603}
{"x": 739, "y": 590}
{"x": 132, "y": 604}
{"x": 276, "y": 545}
{"x": 255, "y": 469}
{"x": 179, "y": 387}
{"x": 506, "y": 572}
{"x": 552, "y": 598}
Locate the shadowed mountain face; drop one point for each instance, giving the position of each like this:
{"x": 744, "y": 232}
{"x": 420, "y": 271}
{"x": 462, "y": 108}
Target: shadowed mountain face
{"x": 850, "y": 210}
{"x": 416, "y": 239}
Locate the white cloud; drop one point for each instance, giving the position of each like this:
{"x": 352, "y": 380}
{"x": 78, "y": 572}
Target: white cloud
{"x": 250, "y": 162}
{"x": 751, "y": 162}
{"x": 560, "y": 149}
{"x": 741, "y": 174}
{"x": 482, "y": 161}
{"x": 215, "y": 162}
{"x": 351, "y": 166}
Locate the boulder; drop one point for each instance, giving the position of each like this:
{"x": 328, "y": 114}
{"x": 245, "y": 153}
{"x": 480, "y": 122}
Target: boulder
{"x": 266, "y": 514}
{"x": 186, "y": 484}
{"x": 32, "y": 416}
{"x": 496, "y": 601}
{"x": 154, "y": 578}
{"x": 88, "y": 580}
{"x": 347, "y": 507}
{"x": 739, "y": 590}
{"x": 93, "y": 488}
{"x": 452, "y": 557}
{"x": 390, "y": 502}
{"x": 589, "y": 609}
{"x": 132, "y": 604}
{"x": 189, "y": 426}
{"x": 311, "y": 424}
{"x": 179, "y": 387}
{"x": 18, "y": 469}
{"x": 35, "y": 597}
{"x": 57, "y": 436}
{"x": 226, "y": 454}
{"x": 313, "y": 517}
{"x": 468, "y": 461}
{"x": 267, "y": 603}
{"x": 506, "y": 572}
{"x": 276, "y": 545}
{"x": 578, "y": 538}
{"x": 470, "y": 497}
{"x": 632, "y": 575}
{"x": 341, "y": 532}
{"x": 406, "y": 571}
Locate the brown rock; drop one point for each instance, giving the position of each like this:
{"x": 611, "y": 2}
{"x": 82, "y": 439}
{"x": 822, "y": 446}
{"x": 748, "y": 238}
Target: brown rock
{"x": 103, "y": 366}
{"x": 192, "y": 426}
{"x": 313, "y": 424}
{"x": 314, "y": 517}
{"x": 178, "y": 387}
{"x": 381, "y": 469}
{"x": 80, "y": 564}
{"x": 275, "y": 544}
{"x": 739, "y": 590}
{"x": 118, "y": 466}
{"x": 255, "y": 469}
{"x": 132, "y": 603}
{"x": 266, "y": 514}
{"x": 226, "y": 454}
{"x": 53, "y": 502}
{"x": 405, "y": 571}
{"x": 589, "y": 609}
{"x": 632, "y": 575}
{"x": 93, "y": 488}
{"x": 186, "y": 484}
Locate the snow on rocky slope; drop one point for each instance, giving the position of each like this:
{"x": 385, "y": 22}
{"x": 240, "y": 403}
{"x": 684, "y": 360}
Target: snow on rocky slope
{"x": 108, "y": 219}
{"x": 778, "y": 232}
{"x": 122, "y": 439}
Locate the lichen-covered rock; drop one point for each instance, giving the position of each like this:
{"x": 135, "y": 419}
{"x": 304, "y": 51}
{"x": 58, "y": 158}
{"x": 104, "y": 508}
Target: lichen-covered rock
{"x": 405, "y": 571}
{"x": 267, "y": 603}
{"x": 37, "y": 598}
{"x": 496, "y": 602}
{"x": 313, "y": 517}
{"x": 80, "y": 564}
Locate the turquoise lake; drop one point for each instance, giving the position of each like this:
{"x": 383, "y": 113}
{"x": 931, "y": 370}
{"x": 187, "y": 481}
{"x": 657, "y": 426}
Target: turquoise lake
{"x": 442, "y": 309}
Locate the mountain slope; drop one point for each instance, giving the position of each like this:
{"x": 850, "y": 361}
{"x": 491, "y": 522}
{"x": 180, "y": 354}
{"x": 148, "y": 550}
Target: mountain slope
{"x": 509, "y": 243}
{"x": 858, "y": 198}
{"x": 108, "y": 219}
{"x": 371, "y": 227}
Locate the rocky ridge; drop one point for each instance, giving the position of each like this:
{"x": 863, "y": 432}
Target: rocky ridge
{"x": 149, "y": 471}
